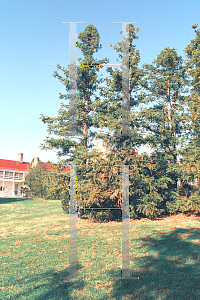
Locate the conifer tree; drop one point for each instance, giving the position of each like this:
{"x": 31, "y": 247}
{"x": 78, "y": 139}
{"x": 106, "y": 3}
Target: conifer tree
{"x": 109, "y": 109}
{"x": 165, "y": 84}
{"x": 191, "y": 160}
{"x": 164, "y": 119}
{"x": 69, "y": 150}
{"x": 165, "y": 122}
{"x": 165, "y": 126}
{"x": 87, "y": 84}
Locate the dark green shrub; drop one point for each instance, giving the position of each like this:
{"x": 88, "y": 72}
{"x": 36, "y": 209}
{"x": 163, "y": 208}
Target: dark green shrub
{"x": 192, "y": 204}
{"x": 184, "y": 204}
{"x": 133, "y": 214}
{"x": 149, "y": 209}
{"x": 102, "y": 215}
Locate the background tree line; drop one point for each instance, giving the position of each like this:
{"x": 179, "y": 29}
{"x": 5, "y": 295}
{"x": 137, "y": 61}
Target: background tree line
{"x": 164, "y": 114}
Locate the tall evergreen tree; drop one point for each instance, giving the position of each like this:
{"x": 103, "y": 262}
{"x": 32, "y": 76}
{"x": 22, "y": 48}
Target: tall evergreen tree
{"x": 109, "y": 109}
{"x": 108, "y": 115}
{"x": 165, "y": 83}
{"x": 164, "y": 126}
{"x": 87, "y": 84}
{"x": 191, "y": 160}
{"x": 163, "y": 119}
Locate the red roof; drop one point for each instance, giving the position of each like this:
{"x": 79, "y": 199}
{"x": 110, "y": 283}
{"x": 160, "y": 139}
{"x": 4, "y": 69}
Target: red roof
{"x": 13, "y": 165}
{"x": 23, "y": 167}
{"x": 48, "y": 167}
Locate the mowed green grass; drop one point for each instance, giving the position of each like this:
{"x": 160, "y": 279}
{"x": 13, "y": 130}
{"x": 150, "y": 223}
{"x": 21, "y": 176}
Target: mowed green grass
{"x": 164, "y": 254}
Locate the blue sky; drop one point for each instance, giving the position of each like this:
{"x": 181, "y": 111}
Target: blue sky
{"x": 34, "y": 41}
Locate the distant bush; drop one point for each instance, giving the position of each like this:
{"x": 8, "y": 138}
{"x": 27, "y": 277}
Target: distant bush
{"x": 193, "y": 202}
{"x": 34, "y": 181}
{"x": 184, "y": 204}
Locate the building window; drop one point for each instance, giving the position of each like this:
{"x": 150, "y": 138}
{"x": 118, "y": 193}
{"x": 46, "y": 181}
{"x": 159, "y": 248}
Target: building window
{"x": 1, "y": 174}
{"x": 18, "y": 176}
{"x": 16, "y": 189}
{"x": 8, "y": 175}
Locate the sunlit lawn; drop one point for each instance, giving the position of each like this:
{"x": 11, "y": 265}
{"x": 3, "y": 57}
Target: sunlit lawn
{"x": 34, "y": 255}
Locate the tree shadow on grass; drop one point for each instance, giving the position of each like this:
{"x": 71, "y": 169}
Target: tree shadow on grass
{"x": 168, "y": 274}
{"x": 56, "y": 288}
{"x": 14, "y": 199}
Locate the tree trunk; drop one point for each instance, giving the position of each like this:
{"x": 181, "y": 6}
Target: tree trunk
{"x": 85, "y": 129}
{"x": 169, "y": 112}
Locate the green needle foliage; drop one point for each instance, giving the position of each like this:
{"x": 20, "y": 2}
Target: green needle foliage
{"x": 192, "y": 157}
{"x": 108, "y": 109}
{"x": 162, "y": 116}
{"x": 87, "y": 84}
{"x": 153, "y": 187}
{"x": 57, "y": 184}
{"x": 191, "y": 161}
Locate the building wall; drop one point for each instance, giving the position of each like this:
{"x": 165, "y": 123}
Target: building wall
{"x": 7, "y": 188}
{"x": 8, "y": 191}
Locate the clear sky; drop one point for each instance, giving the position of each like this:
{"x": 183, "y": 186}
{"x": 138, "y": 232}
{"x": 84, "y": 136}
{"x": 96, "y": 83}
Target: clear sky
{"x": 34, "y": 41}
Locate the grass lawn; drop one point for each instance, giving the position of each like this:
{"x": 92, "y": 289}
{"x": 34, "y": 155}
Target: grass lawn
{"x": 164, "y": 253}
